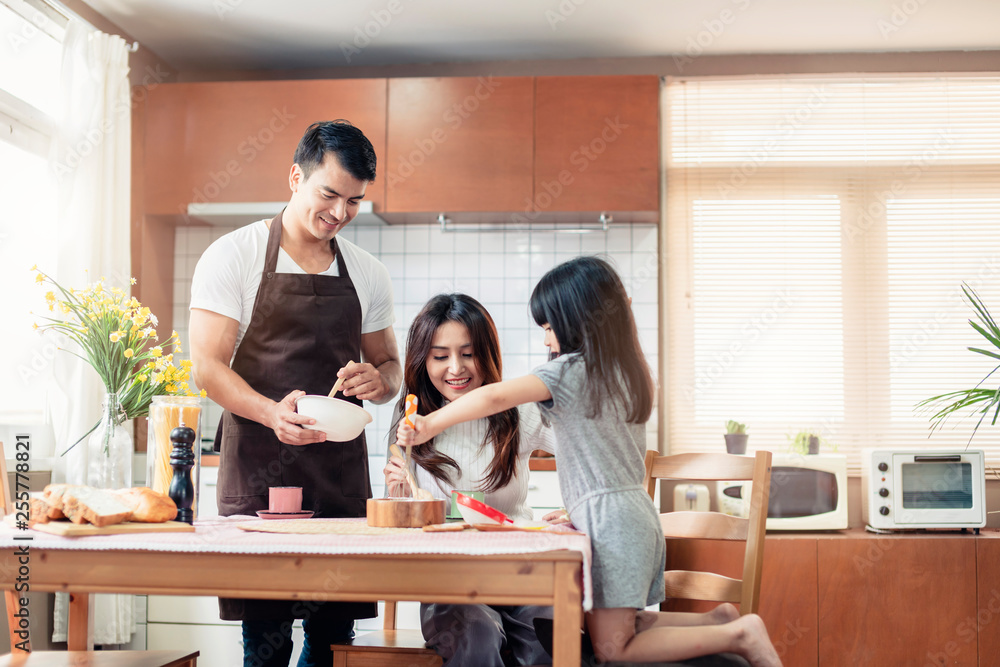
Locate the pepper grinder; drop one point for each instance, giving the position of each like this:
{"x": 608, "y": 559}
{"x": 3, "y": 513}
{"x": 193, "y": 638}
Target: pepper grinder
{"x": 182, "y": 459}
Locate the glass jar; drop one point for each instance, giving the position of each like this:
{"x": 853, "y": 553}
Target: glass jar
{"x": 165, "y": 414}
{"x": 110, "y": 449}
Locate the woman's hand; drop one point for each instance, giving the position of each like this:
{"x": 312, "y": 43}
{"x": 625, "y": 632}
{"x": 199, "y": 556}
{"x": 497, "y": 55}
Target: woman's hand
{"x": 395, "y": 478}
{"x": 558, "y": 517}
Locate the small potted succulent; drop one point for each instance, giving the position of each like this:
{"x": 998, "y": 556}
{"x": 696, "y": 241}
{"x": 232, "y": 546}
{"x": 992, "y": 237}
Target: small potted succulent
{"x": 736, "y": 437}
{"x": 807, "y": 441}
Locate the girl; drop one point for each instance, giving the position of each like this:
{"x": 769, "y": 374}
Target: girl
{"x": 452, "y": 349}
{"x": 597, "y": 392}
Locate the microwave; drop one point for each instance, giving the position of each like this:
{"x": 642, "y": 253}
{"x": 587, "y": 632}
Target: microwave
{"x": 808, "y": 492}
{"x": 905, "y": 489}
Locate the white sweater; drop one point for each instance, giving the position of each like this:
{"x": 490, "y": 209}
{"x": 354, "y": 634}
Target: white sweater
{"x": 464, "y": 443}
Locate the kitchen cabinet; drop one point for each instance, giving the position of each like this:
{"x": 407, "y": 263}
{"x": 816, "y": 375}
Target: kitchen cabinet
{"x": 987, "y": 618}
{"x": 459, "y": 144}
{"x": 597, "y": 143}
{"x": 849, "y": 598}
{"x": 916, "y": 594}
{"x": 234, "y": 141}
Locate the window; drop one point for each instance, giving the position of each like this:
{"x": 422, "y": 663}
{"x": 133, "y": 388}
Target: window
{"x": 818, "y": 234}
{"x": 29, "y": 86}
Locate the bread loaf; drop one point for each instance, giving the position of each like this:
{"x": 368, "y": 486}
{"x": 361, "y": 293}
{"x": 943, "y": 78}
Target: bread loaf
{"x": 38, "y": 509}
{"x": 101, "y": 507}
{"x": 53, "y": 495}
{"x": 148, "y": 506}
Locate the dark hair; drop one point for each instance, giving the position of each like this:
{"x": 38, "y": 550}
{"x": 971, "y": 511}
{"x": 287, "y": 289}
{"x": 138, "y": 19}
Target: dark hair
{"x": 352, "y": 148}
{"x": 503, "y": 431}
{"x": 584, "y": 302}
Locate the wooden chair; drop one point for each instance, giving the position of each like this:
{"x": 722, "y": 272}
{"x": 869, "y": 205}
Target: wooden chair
{"x": 387, "y": 647}
{"x": 681, "y": 527}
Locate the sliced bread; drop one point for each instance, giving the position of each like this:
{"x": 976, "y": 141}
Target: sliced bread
{"x": 101, "y": 507}
{"x": 53, "y": 495}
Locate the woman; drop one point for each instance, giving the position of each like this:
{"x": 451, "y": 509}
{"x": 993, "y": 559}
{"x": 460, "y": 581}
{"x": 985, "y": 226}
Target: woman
{"x": 453, "y": 348}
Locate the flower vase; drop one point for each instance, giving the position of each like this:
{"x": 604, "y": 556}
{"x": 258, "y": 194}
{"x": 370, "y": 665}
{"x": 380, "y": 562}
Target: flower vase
{"x": 110, "y": 449}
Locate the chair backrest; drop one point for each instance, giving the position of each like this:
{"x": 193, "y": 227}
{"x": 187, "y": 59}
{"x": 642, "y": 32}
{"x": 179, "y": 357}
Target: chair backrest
{"x": 698, "y": 585}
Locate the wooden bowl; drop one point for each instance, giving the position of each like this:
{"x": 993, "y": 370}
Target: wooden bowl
{"x": 405, "y": 512}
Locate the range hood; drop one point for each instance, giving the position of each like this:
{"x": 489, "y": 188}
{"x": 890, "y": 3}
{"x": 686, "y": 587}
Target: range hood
{"x": 235, "y": 214}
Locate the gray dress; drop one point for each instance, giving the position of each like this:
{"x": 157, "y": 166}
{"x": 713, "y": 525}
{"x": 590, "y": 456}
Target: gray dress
{"x": 600, "y": 468}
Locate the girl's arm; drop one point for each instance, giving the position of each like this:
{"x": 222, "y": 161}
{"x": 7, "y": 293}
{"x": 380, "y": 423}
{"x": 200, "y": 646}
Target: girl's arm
{"x": 534, "y": 433}
{"x": 478, "y": 403}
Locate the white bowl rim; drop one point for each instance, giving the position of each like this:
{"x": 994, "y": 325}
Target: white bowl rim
{"x": 353, "y": 406}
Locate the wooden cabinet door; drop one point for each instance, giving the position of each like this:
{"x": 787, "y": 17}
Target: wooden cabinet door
{"x": 597, "y": 143}
{"x": 459, "y": 144}
{"x": 788, "y": 598}
{"x": 897, "y": 600}
{"x": 987, "y": 616}
{"x": 234, "y": 141}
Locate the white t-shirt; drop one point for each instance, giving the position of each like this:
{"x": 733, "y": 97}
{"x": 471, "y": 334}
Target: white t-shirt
{"x": 462, "y": 442}
{"x": 228, "y": 274}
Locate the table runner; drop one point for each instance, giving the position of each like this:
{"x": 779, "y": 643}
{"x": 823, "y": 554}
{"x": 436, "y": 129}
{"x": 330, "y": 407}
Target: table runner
{"x": 221, "y": 535}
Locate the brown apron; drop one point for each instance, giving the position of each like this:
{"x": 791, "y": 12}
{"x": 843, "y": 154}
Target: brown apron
{"x": 304, "y": 328}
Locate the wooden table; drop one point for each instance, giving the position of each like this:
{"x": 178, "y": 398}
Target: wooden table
{"x": 537, "y": 578}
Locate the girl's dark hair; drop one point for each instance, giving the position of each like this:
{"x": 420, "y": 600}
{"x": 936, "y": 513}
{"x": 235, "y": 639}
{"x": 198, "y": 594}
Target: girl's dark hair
{"x": 584, "y": 302}
{"x": 352, "y": 148}
{"x": 503, "y": 429}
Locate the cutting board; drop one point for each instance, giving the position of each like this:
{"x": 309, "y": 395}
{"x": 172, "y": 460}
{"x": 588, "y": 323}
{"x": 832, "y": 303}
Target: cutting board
{"x": 70, "y": 529}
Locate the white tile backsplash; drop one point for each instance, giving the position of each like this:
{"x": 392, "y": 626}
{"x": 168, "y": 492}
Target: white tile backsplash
{"x": 498, "y": 268}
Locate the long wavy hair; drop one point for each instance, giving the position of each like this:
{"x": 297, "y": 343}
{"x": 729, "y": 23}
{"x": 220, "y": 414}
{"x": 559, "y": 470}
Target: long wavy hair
{"x": 502, "y": 431}
{"x": 584, "y": 302}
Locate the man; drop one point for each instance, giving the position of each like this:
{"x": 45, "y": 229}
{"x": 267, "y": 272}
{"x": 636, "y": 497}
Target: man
{"x": 296, "y": 305}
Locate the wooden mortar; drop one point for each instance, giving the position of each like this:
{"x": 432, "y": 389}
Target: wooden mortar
{"x": 405, "y": 512}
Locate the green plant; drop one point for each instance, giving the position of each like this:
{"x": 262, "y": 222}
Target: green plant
{"x": 735, "y": 427}
{"x": 799, "y": 443}
{"x": 982, "y": 400}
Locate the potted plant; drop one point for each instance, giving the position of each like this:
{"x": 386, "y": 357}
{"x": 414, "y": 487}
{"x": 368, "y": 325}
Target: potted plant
{"x": 807, "y": 441}
{"x": 736, "y": 437}
{"x": 982, "y": 400}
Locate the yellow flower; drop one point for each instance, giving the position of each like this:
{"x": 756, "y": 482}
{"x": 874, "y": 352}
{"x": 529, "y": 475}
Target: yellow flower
{"x": 203, "y": 393}
{"x": 97, "y": 313}
{"x": 131, "y": 281}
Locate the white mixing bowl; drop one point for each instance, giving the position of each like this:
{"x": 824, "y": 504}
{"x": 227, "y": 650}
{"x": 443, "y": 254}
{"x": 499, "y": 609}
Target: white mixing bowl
{"x": 340, "y": 420}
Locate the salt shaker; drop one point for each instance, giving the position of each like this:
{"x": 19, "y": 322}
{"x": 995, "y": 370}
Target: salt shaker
{"x": 182, "y": 459}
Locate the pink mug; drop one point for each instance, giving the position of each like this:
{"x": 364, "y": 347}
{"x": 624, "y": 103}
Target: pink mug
{"x": 284, "y": 499}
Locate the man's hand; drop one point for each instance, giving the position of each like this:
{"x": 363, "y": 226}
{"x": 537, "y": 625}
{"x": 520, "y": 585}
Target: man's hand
{"x": 362, "y": 380}
{"x": 285, "y": 422}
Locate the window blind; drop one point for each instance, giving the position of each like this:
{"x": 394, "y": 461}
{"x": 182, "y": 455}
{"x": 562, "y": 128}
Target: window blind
{"x": 818, "y": 233}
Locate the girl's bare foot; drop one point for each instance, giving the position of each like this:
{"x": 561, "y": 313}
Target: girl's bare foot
{"x": 753, "y": 642}
{"x": 724, "y": 613}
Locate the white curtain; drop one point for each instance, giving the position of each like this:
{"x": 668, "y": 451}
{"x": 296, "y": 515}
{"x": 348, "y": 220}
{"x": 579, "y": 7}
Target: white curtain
{"x": 91, "y": 160}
